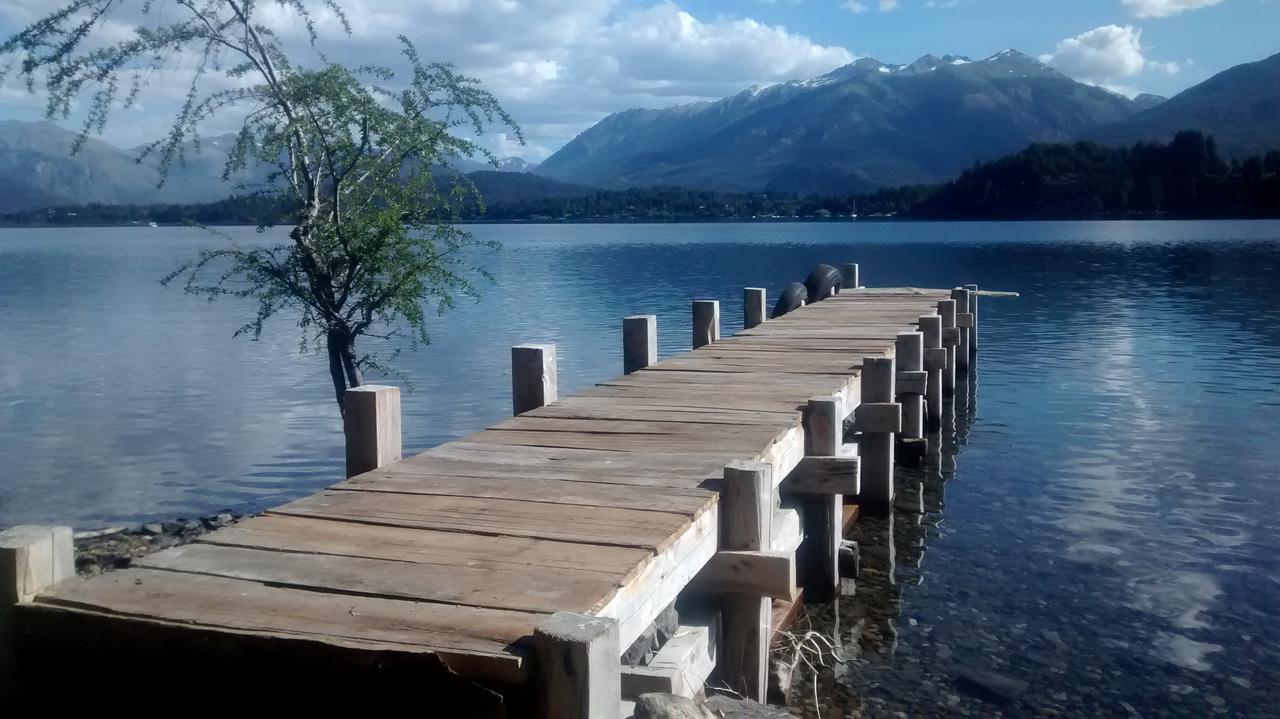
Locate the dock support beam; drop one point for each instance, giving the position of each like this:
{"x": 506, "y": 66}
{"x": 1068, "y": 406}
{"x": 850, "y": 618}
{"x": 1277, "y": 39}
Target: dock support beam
{"x": 935, "y": 361}
{"x": 849, "y": 276}
{"x": 823, "y": 515}
{"x": 950, "y": 339}
{"x": 32, "y": 559}
{"x": 579, "y": 667}
{"x": 910, "y": 389}
{"x": 706, "y": 322}
{"x": 973, "y": 310}
{"x": 371, "y": 422}
{"x": 875, "y": 420}
{"x": 754, "y": 307}
{"x": 746, "y": 523}
{"x": 964, "y": 322}
{"x": 639, "y": 342}
{"x": 533, "y": 377}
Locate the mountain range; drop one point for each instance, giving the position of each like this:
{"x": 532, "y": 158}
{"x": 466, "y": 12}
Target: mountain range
{"x": 871, "y": 124}
{"x": 860, "y": 127}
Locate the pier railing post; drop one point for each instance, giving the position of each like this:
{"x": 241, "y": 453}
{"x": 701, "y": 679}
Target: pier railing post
{"x": 849, "y": 276}
{"x": 706, "y": 322}
{"x": 935, "y": 361}
{"x": 973, "y": 310}
{"x": 746, "y": 519}
{"x": 533, "y": 377}
{"x": 578, "y": 662}
{"x": 639, "y": 342}
{"x": 964, "y": 323}
{"x": 754, "y": 307}
{"x": 878, "y": 418}
{"x": 823, "y": 513}
{"x": 912, "y": 383}
{"x": 950, "y": 339}
{"x": 371, "y": 422}
{"x": 32, "y": 560}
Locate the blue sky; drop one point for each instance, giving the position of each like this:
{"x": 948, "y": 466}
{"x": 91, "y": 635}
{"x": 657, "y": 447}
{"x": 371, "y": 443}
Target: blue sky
{"x": 559, "y": 66}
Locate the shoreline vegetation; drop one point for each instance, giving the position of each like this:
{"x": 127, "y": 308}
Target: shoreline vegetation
{"x": 1184, "y": 179}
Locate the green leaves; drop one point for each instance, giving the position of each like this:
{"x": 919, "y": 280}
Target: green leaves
{"x": 352, "y": 151}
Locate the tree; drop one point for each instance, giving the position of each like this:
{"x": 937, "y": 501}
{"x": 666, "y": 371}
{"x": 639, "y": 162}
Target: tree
{"x": 350, "y": 151}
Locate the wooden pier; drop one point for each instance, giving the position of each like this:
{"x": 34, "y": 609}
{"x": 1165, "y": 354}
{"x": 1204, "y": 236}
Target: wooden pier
{"x": 506, "y": 573}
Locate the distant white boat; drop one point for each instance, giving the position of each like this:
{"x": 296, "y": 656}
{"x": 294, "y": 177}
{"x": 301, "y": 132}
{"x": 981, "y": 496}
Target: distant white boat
{"x": 152, "y": 224}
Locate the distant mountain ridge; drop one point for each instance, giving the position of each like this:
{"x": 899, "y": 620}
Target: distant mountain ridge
{"x": 37, "y": 170}
{"x": 865, "y": 125}
{"x": 1240, "y": 107}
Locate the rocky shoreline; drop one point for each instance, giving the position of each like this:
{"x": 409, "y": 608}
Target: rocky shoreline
{"x": 117, "y": 547}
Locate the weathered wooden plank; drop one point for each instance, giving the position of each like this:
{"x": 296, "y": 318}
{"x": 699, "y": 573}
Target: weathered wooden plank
{"x": 421, "y": 546}
{"x": 603, "y": 525}
{"x": 755, "y": 573}
{"x": 540, "y": 589}
{"x": 553, "y": 491}
{"x": 484, "y": 643}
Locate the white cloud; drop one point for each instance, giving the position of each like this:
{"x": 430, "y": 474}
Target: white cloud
{"x": 857, "y": 7}
{"x": 1165, "y": 8}
{"x": 1110, "y": 51}
{"x": 557, "y": 66}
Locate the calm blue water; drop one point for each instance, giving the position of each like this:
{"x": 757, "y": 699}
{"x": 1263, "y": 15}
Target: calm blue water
{"x": 1103, "y": 525}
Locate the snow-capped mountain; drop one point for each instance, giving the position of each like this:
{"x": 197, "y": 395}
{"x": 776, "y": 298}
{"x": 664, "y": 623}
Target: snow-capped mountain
{"x": 867, "y": 124}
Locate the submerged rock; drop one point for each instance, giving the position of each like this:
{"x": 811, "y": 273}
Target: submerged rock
{"x": 670, "y": 706}
{"x": 990, "y": 685}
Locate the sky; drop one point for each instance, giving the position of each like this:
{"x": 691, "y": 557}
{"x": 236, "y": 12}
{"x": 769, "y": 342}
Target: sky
{"x": 559, "y": 66}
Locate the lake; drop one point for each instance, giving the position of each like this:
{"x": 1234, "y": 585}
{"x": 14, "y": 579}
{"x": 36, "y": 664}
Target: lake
{"x": 1103, "y": 524}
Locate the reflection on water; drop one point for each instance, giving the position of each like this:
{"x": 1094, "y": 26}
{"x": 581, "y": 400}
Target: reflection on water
{"x": 1100, "y": 535}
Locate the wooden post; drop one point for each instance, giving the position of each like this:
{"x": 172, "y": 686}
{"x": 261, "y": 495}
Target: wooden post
{"x": 706, "y": 322}
{"x": 931, "y": 329}
{"x": 849, "y": 276}
{"x": 746, "y": 523}
{"x": 533, "y": 377}
{"x": 823, "y": 514}
{"x": 910, "y": 355}
{"x": 973, "y": 310}
{"x": 579, "y": 667}
{"x": 371, "y": 422}
{"x": 754, "y": 307}
{"x": 947, "y": 309}
{"x": 876, "y": 447}
{"x": 32, "y": 559}
{"x": 961, "y": 296}
{"x": 639, "y": 342}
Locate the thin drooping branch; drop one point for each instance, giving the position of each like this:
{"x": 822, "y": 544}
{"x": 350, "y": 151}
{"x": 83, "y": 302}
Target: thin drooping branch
{"x": 351, "y": 151}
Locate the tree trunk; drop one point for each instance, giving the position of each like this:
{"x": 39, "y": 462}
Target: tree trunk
{"x": 336, "y": 370}
{"x": 354, "y": 377}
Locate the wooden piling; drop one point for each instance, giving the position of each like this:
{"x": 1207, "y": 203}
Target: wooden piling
{"x": 964, "y": 321}
{"x": 910, "y": 391}
{"x": 935, "y": 356}
{"x": 579, "y": 667}
{"x": 746, "y": 523}
{"x": 533, "y": 376}
{"x": 875, "y": 448}
{"x": 947, "y": 309}
{"x": 32, "y": 560}
{"x": 706, "y": 322}
{"x": 639, "y": 342}
{"x": 823, "y": 514}
{"x": 754, "y": 307}
{"x": 973, "y": 310}
{"x": 372, "y": 425}
{"x": 849, "y": 276}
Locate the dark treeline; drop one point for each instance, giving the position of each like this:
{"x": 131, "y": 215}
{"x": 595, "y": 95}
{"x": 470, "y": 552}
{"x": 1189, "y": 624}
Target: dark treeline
{"x": 659, "y": 204}
{"x": 240, "y": 210}
{"x": 1183, "y": 179}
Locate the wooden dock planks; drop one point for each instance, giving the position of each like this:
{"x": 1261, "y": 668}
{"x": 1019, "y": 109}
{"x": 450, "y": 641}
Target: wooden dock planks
{"x": 600, "y": 503}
